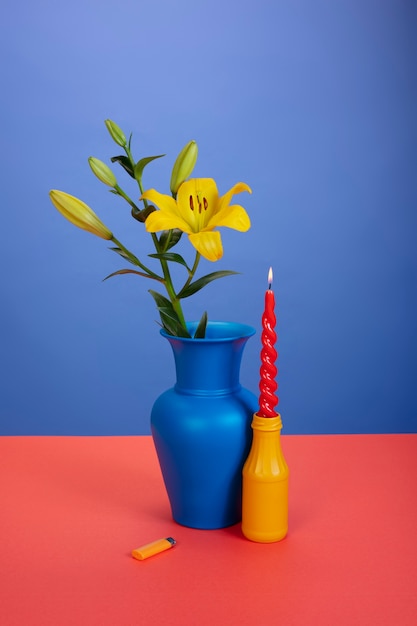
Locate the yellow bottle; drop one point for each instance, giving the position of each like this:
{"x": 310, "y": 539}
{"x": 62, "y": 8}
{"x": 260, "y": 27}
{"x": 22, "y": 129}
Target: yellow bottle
{"x": 265, "y": 484}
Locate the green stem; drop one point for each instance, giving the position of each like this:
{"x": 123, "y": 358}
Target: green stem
{"x": 126, "y": 197}
{"x": 139, "y": 181}
{"x": 192, "y": 272}
{"x": 164, "y": 264}
{"x": 169, "y": 285}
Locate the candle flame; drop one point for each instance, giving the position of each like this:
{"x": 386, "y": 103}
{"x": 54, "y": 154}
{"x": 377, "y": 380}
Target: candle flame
{"x": 270, "y": 277}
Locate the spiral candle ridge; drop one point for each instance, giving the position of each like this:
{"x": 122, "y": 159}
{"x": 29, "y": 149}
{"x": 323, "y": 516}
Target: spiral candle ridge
{"x": 268, "y": 385}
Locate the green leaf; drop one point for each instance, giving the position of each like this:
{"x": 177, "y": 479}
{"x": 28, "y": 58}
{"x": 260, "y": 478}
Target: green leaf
{"x": 200, "y": 331}
{"x": 202, "y": 282}
{"x": 129, "y": 272}
{"x": 170, "y": 238}
{"x": 169, "y": 318}
{"x": 172, "y": 257}
{"x": 140, "y": 165}
{"x": 125, "y": 163}
{"x": 122, "y": 254}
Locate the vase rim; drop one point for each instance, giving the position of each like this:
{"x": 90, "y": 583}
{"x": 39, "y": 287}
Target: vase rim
{"x": 215, "y": 332}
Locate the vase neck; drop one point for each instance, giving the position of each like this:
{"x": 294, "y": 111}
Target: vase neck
{"x": 209, "y": 366}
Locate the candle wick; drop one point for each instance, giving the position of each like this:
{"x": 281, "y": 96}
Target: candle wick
{"x": 269, "y": 286}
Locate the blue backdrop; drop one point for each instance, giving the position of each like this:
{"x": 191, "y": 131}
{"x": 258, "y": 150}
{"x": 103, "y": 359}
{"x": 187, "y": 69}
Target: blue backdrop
{"x": 312, "y": 103}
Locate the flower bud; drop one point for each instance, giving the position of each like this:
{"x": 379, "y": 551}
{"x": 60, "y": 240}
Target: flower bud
{"x": 79, "y": 214}
{"x": 116, "y": 133}
{"x": 183, "y": 165}
{"x": 102, "y": 171}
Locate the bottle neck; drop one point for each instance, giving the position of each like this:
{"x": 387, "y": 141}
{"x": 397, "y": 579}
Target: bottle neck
{"x": 266, "y": 459}
{"x": 266, "y": 424}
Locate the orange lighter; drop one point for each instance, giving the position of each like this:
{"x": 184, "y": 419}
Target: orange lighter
{"x": 155, "y": 547}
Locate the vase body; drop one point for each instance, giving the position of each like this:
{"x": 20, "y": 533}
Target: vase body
{"x": 201, "y": 427}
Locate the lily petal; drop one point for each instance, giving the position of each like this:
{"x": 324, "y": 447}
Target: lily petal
{"x": 209, "y": 245}
{"x": 162, "y": 201}
{"x": 238, "y": 188}
{"x": 232, "y": 217}
{"x": 164, "y": 220}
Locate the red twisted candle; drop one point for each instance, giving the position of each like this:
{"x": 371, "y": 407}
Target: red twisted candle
{"x": 268, "y": 385}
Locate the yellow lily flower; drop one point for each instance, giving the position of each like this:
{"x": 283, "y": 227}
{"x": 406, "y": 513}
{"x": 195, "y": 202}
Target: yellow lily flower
{"x": 79, "y": 214}
{"x": 197, "y": 211}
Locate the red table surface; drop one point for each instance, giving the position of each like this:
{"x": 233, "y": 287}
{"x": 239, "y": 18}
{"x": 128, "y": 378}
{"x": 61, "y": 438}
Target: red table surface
{"x": 73, "y": 508}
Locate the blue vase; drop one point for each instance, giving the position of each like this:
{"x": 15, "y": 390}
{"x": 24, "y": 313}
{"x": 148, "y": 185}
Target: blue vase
{"x": 202, "y": 427}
